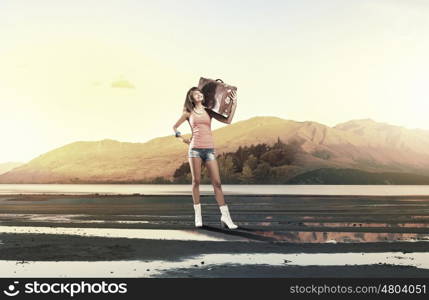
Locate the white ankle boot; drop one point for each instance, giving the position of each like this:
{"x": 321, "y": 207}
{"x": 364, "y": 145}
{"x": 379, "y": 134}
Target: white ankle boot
{"x": 225, "y": 219}
{"x": 198, "y": 217}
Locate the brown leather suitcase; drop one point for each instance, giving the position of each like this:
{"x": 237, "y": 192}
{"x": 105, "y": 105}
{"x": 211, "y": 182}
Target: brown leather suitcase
{"x": 216, "y": 95}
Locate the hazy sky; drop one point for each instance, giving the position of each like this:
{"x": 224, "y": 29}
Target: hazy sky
{"x": 89, "y": 70}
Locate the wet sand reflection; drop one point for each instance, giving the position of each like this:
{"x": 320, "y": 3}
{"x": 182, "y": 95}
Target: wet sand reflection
{"x": 341, "y": 237}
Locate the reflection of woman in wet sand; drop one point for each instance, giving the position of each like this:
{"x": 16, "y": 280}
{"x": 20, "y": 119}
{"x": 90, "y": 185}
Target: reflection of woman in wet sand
{"x": 201, "y": 148}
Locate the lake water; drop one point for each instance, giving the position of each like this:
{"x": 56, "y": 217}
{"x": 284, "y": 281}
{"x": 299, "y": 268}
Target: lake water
{"x": 228, "y": 189}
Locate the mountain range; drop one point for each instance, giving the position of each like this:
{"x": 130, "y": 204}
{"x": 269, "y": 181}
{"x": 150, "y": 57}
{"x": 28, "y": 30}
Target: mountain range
{"x": 5, "y": 167}
{"x": 362, "y": 144}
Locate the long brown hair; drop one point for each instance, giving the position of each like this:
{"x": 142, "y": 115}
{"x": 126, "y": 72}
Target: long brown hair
{"x": 189, "y": 101}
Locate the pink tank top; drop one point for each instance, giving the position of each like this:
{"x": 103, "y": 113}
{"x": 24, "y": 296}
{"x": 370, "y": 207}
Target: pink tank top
{"x": 201, "y": 130}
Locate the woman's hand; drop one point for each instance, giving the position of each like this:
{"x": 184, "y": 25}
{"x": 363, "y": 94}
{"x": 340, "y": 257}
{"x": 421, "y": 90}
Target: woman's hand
{"x": 233, "y": 96}
{"x": 186, "y": 141}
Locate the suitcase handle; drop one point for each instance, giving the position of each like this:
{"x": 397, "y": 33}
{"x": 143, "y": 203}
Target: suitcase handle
{"x": 219, "y": 80}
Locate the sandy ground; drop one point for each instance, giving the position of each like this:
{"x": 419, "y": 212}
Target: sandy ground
{"x": 363, "y": 227}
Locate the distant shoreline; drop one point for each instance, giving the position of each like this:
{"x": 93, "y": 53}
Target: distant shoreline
{"x": 72, "y": 195}
{"x": 229, "y": 190}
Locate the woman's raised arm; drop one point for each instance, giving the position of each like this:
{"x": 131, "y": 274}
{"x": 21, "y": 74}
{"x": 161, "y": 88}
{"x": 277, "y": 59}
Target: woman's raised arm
{"x": 223, "y": 119}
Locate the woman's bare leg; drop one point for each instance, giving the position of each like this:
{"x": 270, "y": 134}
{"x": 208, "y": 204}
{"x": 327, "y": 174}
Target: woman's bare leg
{"x": 195, "y": 164}
{"x": 213, "y": 170}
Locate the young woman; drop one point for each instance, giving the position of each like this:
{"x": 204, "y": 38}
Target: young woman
{"x": 201, "y": 148}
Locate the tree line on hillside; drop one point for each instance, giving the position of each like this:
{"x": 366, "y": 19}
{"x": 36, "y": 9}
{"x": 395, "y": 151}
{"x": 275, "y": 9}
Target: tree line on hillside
{"x": 259, "y": 163}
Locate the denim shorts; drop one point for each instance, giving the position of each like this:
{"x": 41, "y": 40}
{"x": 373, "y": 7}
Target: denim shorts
{"x": 203, "y": 153}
